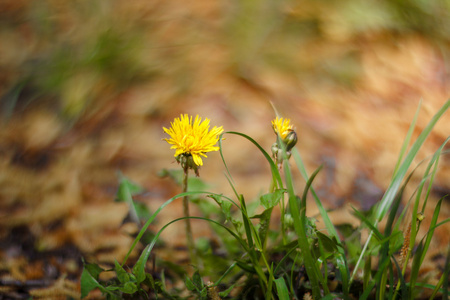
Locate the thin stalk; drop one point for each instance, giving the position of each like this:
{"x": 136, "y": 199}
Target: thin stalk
{"x": 273, "y": 187}
{"x": 406, "y": 258}
{"x": 189, "y": 237}
{"x": 298, "y": 214}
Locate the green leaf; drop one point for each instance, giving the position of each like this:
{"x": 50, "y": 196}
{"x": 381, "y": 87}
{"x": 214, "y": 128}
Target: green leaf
{"x": 197, "y": 279}
{"x": 129, "y": 288}
{"x": 197, "y": 184}
{"x": 139, "y": 267}
{"x": 142, "y": 211}
{"x": 88, "y": 283}
{"x": 122, "y": 275}
{"x": 346, "y": 230}
{"x": 271, "y": 199}
{"x": 176, "y": 175}
{"x": 112, "y": 288}
{"x": 94, "y": 270}
{"x": 224, "y": 205}
{"x": 89, "y": 279}
{"x": 264, "y": 224}
{"x": 127, "y": 186}
{"x": 204, "y": 293}
{"x": 329, "y": 244}
{"x": 194, "y": 183}
{"x": 225, "y": 293}
{"x": 282, "y": 290}
{"x": 189, "y": 284}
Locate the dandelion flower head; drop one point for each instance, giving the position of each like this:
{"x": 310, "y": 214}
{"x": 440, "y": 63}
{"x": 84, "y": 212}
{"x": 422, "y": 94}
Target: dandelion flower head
{"x": 192, "y": 137}
{"x": 282, "y": 127}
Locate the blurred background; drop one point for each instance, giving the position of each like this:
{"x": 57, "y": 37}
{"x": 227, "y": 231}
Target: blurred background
{"x": 86, "y": 87}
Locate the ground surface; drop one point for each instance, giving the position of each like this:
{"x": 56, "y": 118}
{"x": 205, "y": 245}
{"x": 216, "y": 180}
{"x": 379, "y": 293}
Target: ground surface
{"x": 69, "y": 125}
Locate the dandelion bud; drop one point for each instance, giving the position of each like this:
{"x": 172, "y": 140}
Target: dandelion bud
{"x": 277, "y": 153}
{"x": 288, "y": 221}
{"x": 279, "y": 156}
{"x": 290, "y": 140}
{"x": 420, "y": 217}
{"x": 275, "y": 149}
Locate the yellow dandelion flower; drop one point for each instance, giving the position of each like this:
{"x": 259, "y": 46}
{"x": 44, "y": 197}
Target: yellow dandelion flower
{"x": 282, "y": 127}
{"x": 192, "y": 137}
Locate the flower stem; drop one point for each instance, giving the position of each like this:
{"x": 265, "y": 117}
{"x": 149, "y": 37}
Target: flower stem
{"x": 189, "y": 237}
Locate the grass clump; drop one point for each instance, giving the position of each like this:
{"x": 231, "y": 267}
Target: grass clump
{"x": 295, "y": 260}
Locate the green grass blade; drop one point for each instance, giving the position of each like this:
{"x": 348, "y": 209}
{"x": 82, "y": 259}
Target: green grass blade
{"x": 271, "y": 280}
{"x": 368, "y": 223}
{"x": 441, "y": 223}
{"x": 300, "y": 230}
{"x": 276, "y": 183}
{"x": 444, "y": 277}
{"x": 252, "y": 238}
{"x": 282, "y": 290}
{"x": 430, "y": 232}
{"x": 415, "y": 269}
{"x": 269, "y": 159}
{"x": 433, "y": 162}
{"x": 401, "y": 217}
{"x": 391, "y": 282}
{"x": 286, "y": 256}
{"x": 328, "y": 224}
{"x": 385, "y": 250}
{"x": 305, "y": 194}
{"x": 377, "y": 277}
{"x": 125, "y": 194}
{"x": 396, "y": 204}
{"x": 247, "y": 222}
{"x": 391, "y": 191}
{"x": 407, "y": 139}
{"x": 229, "y": 177}
{"x": 230, "y": 181}
{"x": 403, "y": 286}
{"x": 389, "y": 196}
{"x": 340, "y": 258}
{"x": 367, "y": 272}
{"x": 430, "y": 286}
{"x": 385, "y": 246}
{"x": 215, "y": 196}
{"x": 226, "y": 273}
